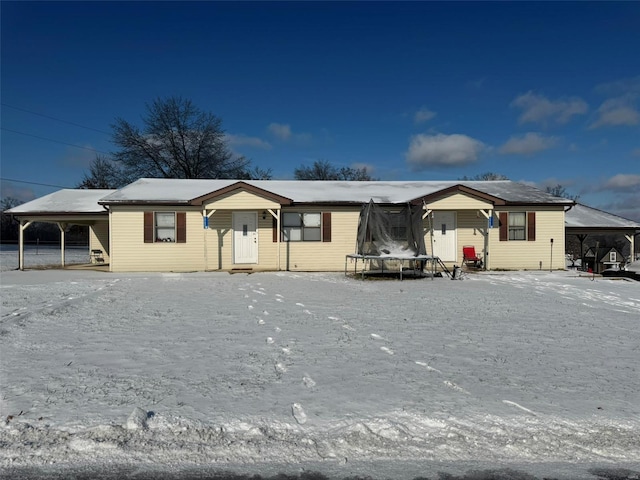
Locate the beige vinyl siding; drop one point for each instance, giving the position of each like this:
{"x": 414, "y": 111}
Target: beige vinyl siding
{"x": 323, "y": 256}
{"x": 459, "y": 201}
{"x": 241, "y": 200}
{"x": 129, "y": 253}
{"x": 527, "y": 255}
{"x": 295, "y": 256}
{"x": 471, "y": 225}
{"x": 99, "y": 238}
{"x": 219, "y": 246}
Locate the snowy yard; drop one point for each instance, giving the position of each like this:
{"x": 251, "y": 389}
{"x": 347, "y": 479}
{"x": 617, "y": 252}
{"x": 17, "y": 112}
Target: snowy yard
{"x": 43, "y": 256}
{"x": 275, "y": 372}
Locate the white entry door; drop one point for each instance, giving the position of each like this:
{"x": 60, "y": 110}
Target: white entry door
{"x": 444, "y": 236}
{"x": 245, "y": 237}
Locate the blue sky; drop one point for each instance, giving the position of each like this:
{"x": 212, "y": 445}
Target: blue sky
{"x": 545, "y": 93}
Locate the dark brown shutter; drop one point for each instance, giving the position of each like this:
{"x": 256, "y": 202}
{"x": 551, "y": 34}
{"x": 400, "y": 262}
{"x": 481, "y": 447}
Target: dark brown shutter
{"x": 148, "y": 227}
{"x": 531, "y": 226}
{"x": 275, "y": 228}
{"x": 326, "y": 226}
{"x": 181, "y": 227}
{"x": 504, "y": 226}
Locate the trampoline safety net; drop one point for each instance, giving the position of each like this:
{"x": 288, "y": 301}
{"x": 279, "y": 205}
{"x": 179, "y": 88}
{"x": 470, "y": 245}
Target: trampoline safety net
{"x": 391, "y": 232}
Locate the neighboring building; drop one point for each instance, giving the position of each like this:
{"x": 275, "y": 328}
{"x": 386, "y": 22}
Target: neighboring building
{"x": 202, "y": 225}
{"x": 598, "y": 259}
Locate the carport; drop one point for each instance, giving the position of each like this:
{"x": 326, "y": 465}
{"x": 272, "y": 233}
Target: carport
{"x": 583, "y": 221}
{"x": 65, "y": 208}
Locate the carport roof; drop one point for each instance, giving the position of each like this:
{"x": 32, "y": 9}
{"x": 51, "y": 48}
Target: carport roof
{"x": 584, "y": 217}
{"x": 67, "y": 201}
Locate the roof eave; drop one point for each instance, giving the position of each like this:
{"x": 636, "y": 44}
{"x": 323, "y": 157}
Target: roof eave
{"x": 459, "y": 188}
{"x": 241, "y": 186}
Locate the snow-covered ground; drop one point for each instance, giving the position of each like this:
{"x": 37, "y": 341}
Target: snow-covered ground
{"x": 43, "y": 256}
{"x": 279, "y": 372}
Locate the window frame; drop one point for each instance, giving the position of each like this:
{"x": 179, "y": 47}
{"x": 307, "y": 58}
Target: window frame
{"x": 514, "y": 230}
{"x": 151, "y": 225}
{"x": 305, "y": 233}
{"x": 506, "y": 228}
{"x": 156, "y": 227}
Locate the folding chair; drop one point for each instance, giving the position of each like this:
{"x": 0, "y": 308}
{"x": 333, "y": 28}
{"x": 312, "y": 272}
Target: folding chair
{"x": 469, "y": 257}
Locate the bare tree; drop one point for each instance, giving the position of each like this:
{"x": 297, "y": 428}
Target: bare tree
{"x": 487, "y": 176}
{"x": 323, "y": 170}
{"x": 103, "y": 173}
{"x": 560, "y": 191}
{"x": 178, "y": 140}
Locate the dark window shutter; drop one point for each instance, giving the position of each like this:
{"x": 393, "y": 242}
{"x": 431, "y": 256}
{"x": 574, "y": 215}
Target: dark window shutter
{"x": 148, "y": 227}
{"x": 531, "y": 226}
{"x": 326, "y": 226}
{"x": 504, "y": 226}
{"x": 275, "y": 229}
{"x": 181, "y": 227}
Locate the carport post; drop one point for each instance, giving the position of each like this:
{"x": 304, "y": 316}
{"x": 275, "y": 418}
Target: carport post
{"x": 62, "y": 227}
{"x": 23, "y": 226}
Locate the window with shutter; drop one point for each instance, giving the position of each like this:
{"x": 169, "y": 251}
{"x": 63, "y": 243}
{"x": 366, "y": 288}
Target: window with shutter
{"x": 517, "y": 226}
{"x": 304, "y": 227}
{"x": 148, "y": 227}
{"x": 504, "y": 226}
{"x": 169, "y": 227}
{"x": 531, "y": 226}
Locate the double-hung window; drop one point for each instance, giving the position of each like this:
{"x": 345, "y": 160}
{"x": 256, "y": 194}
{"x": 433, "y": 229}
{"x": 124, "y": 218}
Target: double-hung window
{"x": 301, "y": 227}
{"x": 517, "y": 225}
{"x": 168, "y": 227}
{"x": 165, "y": 227}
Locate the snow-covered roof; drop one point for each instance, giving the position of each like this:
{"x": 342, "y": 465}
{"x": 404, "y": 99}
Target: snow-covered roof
{"x": 582, "y": 216}
{"x": 65, "y": 201}
{"x": 151, "y": 190}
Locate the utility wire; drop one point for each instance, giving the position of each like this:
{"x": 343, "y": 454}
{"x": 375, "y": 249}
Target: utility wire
{"x": 52, "y": 140}
{"x": 31, "y": 183}
{"x": 54, "y": 118}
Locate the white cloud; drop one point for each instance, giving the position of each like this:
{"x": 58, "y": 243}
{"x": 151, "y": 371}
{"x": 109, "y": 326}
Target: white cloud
{"x": 623, "y": 182}
{"x": 283, "y": 132}
{"x": 626, "y": 207}
{"x": 618, "y": 111}
{"x": 423, "y": 115}
{"x": 442, "y": 150}
{"x": 280, "y": 131}
{"x": 244, "y": 140}
{"x": 527, "y": 144}
{"x": 620, "y": 87}
{"x": 539, "y": 109}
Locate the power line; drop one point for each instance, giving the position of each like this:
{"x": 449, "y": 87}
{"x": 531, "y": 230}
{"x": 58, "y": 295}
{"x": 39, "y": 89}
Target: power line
{"x": 52, "y": 140}
{"x": 54, "y": 118}
{"x": 31, "y": 183}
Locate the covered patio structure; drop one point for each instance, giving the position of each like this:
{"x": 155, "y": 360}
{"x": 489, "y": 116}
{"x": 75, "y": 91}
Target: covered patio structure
{"x": 65, "y": 208}
{"x": 583, "y": 221}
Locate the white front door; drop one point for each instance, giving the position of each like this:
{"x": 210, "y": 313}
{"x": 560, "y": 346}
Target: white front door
{"x": 444, "y": 236}
{"x": 245, "y": 237}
